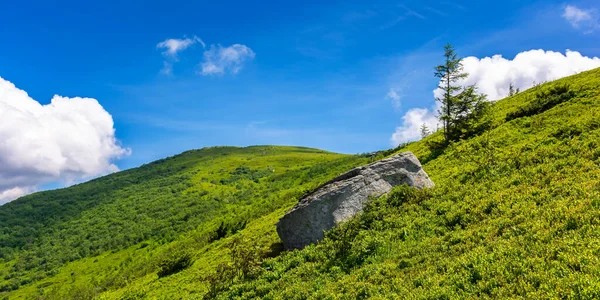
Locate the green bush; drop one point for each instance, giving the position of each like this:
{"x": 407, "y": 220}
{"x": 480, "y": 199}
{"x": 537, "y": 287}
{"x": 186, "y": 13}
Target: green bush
{"x": 174, "y": 262}
{"x": 226, "y": 229}
{"x": 544, "y": 100}
{"x": 245, "y": 261}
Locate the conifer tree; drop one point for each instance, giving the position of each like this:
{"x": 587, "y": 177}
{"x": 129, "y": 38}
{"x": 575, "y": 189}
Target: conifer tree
{"x": 425, "y": 130}
{"x": 469, "y": 109}
{"x": 462, "y": 108}
{"x": 449, "y": 73}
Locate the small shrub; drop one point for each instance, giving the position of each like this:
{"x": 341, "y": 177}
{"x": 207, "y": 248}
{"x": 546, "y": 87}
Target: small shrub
{"x": 403, "y": 264}
{"x": 226, "y": 229}
{"x": 568, "y": 132}
{"x": 246, "y": 259}
{"x": 220, "y": 280}
{"x": 404, "y": 194}
{"x": 174, "y": 263}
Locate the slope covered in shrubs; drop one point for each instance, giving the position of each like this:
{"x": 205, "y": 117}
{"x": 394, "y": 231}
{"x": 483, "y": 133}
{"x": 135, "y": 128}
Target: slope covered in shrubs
{"x": 515, "y": 213}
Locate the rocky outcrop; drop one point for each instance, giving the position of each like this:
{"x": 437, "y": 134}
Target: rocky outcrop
{"x": 341, "y": 198}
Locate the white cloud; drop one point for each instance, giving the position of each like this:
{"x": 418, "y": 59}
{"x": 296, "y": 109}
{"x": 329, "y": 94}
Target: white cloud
{"x": 411, "y": 125}
{"x": 493, "y": 75}
{"x": 167, "y": 68}
{"x": 217, "y": 60}
{"x": 173, "y": 46}
{"x": 14, "y": 193}
{"x": 581, "y": 18}
{"x": 68, "y": 140}
{"x": 394, "y": 97}
{"x": 220, "y": 60}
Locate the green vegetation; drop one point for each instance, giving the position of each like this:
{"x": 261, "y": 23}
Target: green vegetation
{"x": 462, "y": 110}
{"x": 151, "y": 219}
{"x": 544, "y": 100}
{"x": 515, "y": 213}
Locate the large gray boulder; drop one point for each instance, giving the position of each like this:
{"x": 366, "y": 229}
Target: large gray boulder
{"x": 343, "y": 197}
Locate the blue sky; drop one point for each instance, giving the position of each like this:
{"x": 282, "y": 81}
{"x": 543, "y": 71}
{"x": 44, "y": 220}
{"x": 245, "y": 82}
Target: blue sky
{"x": 320, "y": 73}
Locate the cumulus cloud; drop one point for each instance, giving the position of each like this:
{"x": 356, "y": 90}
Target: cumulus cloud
{"x": 219, "y": 60}
{"x": 410, "y": 130}
{"x": 581, "y": 18}
{"x": 493, "y": 75}
{"x": 68, "y": 140}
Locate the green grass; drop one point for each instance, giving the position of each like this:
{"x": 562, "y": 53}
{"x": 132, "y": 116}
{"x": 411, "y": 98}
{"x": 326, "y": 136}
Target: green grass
{"x": 515, "y": 214}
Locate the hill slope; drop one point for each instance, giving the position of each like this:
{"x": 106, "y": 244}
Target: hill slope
{"x": 203, "y": 195}
{"x": 515, "y": 213}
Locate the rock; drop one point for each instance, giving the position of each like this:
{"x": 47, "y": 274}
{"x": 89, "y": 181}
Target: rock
{"x": 343, "y": 197}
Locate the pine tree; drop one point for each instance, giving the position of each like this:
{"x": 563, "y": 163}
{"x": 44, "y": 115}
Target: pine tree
{"x": 425, "y": 130}
{"x": 449, "y": 73}
{"x": 511, "y": 89}
{"x": 468, "y": 111}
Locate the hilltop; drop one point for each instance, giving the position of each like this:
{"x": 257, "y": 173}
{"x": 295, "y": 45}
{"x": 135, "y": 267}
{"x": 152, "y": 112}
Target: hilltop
{"x": 514, "y": 213}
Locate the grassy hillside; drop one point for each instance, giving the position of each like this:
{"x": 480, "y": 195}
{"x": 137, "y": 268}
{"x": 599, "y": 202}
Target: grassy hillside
{"x": 515, "y": 213}
{"x": 126, "y": 225}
